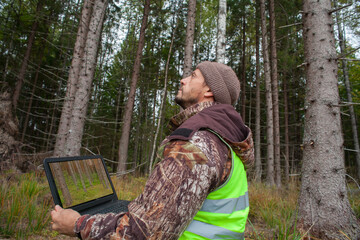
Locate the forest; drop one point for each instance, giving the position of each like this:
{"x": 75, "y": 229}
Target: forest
{"x": 87, "y": 77}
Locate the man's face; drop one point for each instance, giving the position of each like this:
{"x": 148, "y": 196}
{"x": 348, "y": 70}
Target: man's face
{"x": 192, "y": 90}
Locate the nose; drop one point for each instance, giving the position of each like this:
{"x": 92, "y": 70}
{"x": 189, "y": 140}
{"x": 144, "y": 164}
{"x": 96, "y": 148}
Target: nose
{"x": 184, "y": 80}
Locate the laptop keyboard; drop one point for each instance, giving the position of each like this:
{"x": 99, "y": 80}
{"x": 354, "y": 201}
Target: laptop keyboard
{"x": 120, "y": 206}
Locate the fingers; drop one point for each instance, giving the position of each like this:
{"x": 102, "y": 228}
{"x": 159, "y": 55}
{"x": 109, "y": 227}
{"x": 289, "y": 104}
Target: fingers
{"x": 58, "y": 208}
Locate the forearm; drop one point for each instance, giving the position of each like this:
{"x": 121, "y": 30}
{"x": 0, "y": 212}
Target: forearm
{"x": 97, "y": 226}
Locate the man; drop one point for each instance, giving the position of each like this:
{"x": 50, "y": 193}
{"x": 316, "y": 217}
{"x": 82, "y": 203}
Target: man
{"x": 198, "y": 190}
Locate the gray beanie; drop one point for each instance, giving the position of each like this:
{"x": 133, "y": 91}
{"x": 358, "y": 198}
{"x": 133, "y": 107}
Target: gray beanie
{"x": 222, "y": 81}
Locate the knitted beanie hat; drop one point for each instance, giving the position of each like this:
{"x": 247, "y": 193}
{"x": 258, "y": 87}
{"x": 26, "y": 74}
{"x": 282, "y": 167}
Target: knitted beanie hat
{"x": 222, "y": 81}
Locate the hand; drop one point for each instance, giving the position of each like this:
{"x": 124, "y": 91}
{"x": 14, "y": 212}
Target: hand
{"x": 63, "y": 220}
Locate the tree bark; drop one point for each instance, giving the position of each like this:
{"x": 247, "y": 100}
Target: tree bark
{"x": 8, "y": 131}
{"x": 275, "y": 94}
{"x": 243, "y": 69}
{"x": 258, "y": 167}
{"x": 83, "y": 90}
{"x": 269, "y": 103}
{"x": 221, "y": 33}
{"x": 125, "y": 132}
{"x": 64, "y": 125}
{"x": 324, "y": 208}
{"x": 348, "y": 91}
{"x": 189, "y": 42}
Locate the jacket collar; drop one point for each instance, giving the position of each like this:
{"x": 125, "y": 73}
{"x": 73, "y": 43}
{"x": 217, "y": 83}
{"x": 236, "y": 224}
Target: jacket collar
{"x": 184, "y": 115}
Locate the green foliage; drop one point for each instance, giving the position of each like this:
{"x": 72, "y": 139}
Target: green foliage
{"x": 24, "y": 210}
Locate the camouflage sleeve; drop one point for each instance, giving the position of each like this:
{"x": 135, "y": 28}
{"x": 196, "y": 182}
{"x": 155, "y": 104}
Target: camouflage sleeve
{"x": 173, "y": 194}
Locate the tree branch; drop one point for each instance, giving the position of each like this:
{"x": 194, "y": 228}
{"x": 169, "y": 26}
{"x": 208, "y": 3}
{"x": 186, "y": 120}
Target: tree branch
{"x": 345, "y": 54}
{"x": 348, "y": 59}
{"x": 338, "y": 9}
{"x": 290, "y": 25}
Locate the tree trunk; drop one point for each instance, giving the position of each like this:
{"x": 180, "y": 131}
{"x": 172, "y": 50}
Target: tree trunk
{"x": 8, "y": 132}
{"x": 243, "y": 70}
{"x": 269, "y": 103}
{"x": 258, "y": 167}
{"x": 324, "y": 209}
{"x": 163, "y": 101}
{"x": 21, "y": 76}
{"x": 286, "y": 119}
{"x": 348, "y": 91}
{"x": 83, "y": 91}
{"x": 125, "y": 130}
{"x": 221, "y": 33}
{"x": 189, "y": 42}
{"x": 275, "y": 94}
{"x": 64, "y": 125}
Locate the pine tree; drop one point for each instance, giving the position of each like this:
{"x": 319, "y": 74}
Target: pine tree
{"x": 324, "y": 209}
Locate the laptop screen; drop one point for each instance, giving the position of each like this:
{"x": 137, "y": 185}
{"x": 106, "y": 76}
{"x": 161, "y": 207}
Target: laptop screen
{"x": 79, "y": 181}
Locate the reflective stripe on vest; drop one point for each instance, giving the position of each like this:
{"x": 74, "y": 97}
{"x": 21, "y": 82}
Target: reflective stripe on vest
{"x": 225, "y": 210}
{"x": 212, "y": 231}
{"x": 226, "y": 205}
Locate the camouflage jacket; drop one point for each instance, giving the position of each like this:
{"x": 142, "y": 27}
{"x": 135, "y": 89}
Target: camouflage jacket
{"x": 192, "y": 162}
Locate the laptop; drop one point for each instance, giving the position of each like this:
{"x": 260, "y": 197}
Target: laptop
{"x": 83, "y": 184}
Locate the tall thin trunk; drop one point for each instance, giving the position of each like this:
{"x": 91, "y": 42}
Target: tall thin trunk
{"x": 63, "y": 129}
{"x": 189, "y": 42}
{"x": 125, "y": 130}
{"x": 258, "y": 167}
{"x": 269, "y": 102}
{"x": 163, "y": 101}
{"x": 286, "y": 119}
{"x": 324, "y": 208}
{"x": 83, "y": 91}
{"x": 221, "y": 33}
{"x": 275, "y": 94}
{"x": 348, "y": 91}
{"x": 243, "y": 69}
{"x": 21, "y": 76}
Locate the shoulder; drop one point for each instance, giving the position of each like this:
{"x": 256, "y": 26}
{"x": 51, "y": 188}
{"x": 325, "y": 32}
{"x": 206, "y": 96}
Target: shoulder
{"x": 210, "y": 145}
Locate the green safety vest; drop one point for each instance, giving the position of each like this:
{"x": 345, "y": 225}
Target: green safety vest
{"x": 224, "y": 212}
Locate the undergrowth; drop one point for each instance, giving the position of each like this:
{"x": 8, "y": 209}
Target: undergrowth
{"x": 25, "y": 204}
{"x": 23, "y": 208}
{"x": 272, "y": 212}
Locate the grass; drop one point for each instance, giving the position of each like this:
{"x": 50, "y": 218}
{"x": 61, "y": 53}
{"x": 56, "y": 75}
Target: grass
{"x": 24, "y": 208}
{"x": 25, "y": 204}
{"x": 272, "y": 212}
{"x": 128, "y": 187}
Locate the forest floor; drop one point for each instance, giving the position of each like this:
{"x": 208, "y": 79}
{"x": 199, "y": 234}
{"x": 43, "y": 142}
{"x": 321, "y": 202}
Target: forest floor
{"x": 272, "y": 211}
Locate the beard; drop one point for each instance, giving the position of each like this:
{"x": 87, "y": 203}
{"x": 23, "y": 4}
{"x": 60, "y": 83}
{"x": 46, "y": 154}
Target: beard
{"x": 185, "y": 103}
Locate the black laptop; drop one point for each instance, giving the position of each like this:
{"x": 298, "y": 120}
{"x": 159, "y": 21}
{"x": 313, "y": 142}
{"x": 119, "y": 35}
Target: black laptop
{"x": 83, "y": 183}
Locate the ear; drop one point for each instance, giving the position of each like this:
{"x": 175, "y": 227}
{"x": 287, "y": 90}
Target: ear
{"x": 208, "y": 93}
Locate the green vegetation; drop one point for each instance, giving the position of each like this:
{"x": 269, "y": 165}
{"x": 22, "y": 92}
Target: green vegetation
{"x": 26, "y": 203}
